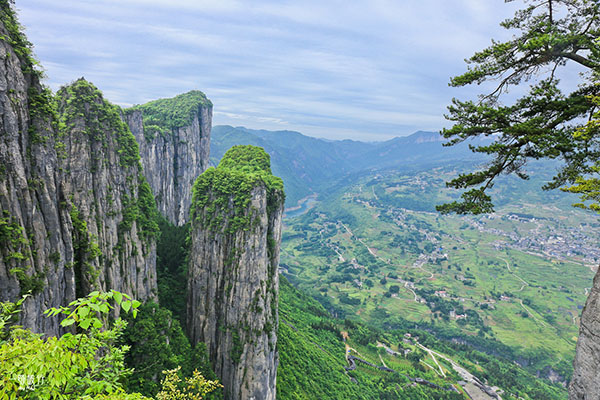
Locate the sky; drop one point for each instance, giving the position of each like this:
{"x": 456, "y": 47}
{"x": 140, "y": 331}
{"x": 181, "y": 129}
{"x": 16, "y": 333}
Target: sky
{"x": 363, "y": 69}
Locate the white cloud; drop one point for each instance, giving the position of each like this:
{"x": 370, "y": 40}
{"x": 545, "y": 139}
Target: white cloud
{"x": 365, "y": 69}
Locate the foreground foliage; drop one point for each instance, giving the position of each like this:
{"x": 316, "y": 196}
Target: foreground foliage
{"x": 86, "y": 362}
{"x": 194, "y": 388}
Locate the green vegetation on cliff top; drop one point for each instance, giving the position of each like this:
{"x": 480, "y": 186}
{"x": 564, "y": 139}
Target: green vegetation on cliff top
{"x": 250, "y": 159}
{"x": 82, "y": 99}
{"x": 17, "y": 39}
{"x": 229, "y": 186}
{"x": 162, "y": 116}
{"x": 102, "y": 123}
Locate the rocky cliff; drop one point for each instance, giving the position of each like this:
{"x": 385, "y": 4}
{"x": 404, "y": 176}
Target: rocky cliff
{"x": 174, "y": 139}
{"x": 585, "y": 384}
{"x": 110, "y": 203}
{"x": 232, "y": 280}
{"x": 35, "y": 232}
{"x": 75, "y": 210}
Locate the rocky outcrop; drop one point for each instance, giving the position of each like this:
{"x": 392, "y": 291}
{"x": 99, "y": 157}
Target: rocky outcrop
{"x": 110, "y": 203}
{"x": 232, "y": 280}
{"x": 75, "y": 210}
{"x": 35, "y": 232}
{"x": 77, "y": 213}
{"x": 174, "y": 139}
{"x": 585, "y": 384}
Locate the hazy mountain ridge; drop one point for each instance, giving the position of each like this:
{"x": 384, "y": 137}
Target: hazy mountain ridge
{"x": 311, "y": 165}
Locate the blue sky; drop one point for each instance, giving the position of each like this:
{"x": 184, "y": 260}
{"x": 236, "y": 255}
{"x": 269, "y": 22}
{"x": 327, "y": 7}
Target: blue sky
{"x": 366, "y": 70}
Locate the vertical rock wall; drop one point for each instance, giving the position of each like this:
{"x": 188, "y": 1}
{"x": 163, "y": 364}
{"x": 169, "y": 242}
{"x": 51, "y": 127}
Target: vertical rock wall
{"x": 585, "y": 384}
{"x": 35, "y": 232}
{"x": 233, "y": 284}
{"x": 75, "y": 210}
{"x": 174, "y": 139}
{"x": 110, "y": 202}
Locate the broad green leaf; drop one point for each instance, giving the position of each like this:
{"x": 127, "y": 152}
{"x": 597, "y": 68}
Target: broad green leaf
{"x": 117, "y": 296}
{"x": 85, "y": 324}
{"x": 83, "y": 312}
{"x": 104, "y": 308}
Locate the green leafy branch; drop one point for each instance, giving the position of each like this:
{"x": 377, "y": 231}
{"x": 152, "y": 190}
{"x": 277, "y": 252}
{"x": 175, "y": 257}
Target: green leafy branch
{"x": 87, "y": 311}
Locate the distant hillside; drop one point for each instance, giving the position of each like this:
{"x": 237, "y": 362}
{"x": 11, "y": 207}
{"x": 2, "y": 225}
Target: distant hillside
{"x": 313, "y": 365}
{"x": 306, "y": 164}
{"x": 310, "y": 165}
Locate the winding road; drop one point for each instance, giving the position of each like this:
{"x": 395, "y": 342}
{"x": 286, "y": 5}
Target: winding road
{"x": 525, "y": 283}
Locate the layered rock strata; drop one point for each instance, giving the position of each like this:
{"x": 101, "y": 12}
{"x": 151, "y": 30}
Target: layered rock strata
{"x": 233, "y": 284}
{"x": 35, "y": 232}
{"x": 76, "y": 213}
{"x": 174, "y": 139}
{"x": 110, "y": 203}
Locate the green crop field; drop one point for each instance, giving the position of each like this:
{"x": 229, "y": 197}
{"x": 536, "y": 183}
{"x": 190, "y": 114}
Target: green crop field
{"x": 377, "y": 251}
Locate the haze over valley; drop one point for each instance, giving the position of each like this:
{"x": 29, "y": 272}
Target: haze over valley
{"x": 277, "y": 201}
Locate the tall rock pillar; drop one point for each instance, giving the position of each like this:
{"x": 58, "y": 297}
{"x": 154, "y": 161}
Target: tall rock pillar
{"x": 76, "y": 213}
{"x": 174, "y": 139}
{"x": 35, "y": 232}
{"x": 109, "y": 201}
{"x": 232, "y": 280}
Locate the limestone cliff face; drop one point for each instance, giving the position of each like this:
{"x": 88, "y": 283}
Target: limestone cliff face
{"x": 233, "y": 284}
{"x": 75, "y": 210}
{"x": 585, "y": 384}
{"x": 109, "y": 201}
{"x": 35, "y": 231}
{"x": 174, "y": 139}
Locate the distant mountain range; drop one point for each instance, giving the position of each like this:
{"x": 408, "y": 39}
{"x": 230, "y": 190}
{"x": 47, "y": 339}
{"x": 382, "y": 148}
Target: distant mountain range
{"x": 309, "y": 165}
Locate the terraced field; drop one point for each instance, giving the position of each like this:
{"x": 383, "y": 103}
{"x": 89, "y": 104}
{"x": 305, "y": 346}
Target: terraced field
{"x": 376, "y": 251}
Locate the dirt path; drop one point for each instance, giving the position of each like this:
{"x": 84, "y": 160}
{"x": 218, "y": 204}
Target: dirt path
{"x": 361, "y": 241}
{"x": 481, "y": 389}
{"x": 382, "y": 362}
{"x": 418, "y": 264}
{"x": 412, "y": 291}
{"x": 430, "y": 352}
{"x": 531, "y": 314}
{"x": 525, "y": 283}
